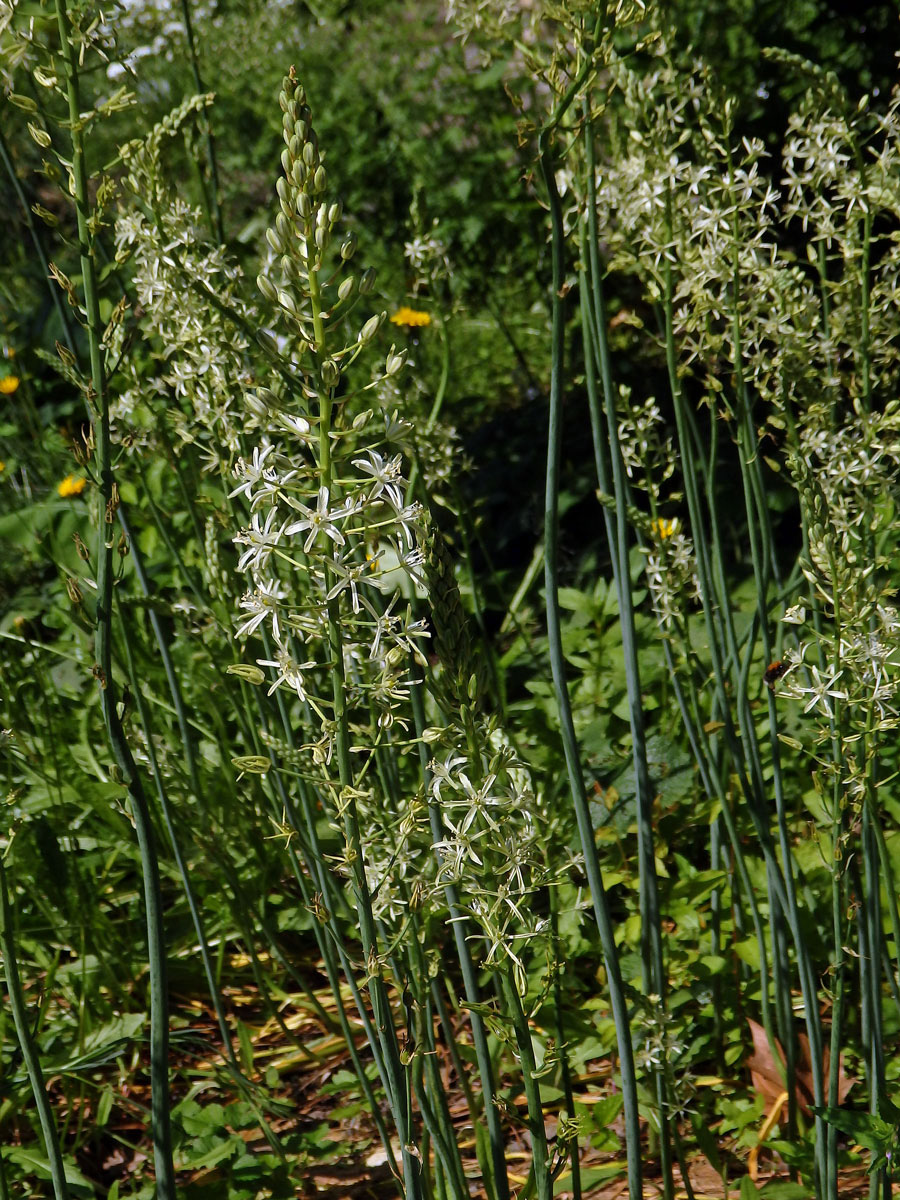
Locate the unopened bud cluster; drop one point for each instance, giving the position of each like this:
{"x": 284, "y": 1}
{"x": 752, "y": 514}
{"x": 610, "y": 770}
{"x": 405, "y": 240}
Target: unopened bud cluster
{"x": 301, "y": 242}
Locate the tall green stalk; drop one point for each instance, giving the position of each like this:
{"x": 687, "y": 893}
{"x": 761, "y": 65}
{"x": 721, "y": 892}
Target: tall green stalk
{"x": 159, "y": 1028}
{"x": 557, "y": 659}
{"x": 605, "y": 435}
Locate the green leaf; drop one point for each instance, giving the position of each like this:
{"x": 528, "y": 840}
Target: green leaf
{"x": 749, "y": 1190}
{"x": 245, "y": 1046}
{"x": 104, "y": 1107}
{"x": 870, "y": 1131}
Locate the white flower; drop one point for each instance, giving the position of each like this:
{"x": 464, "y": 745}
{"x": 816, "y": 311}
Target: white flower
{"x": 261, "y": 602}
{"x": 289, "y": 672}
{"x": 386, "y": 475}
{"x": 317, "y": 520}
{"x": 821, "y": 691}
{"x": 262, "y": 540}
{"x": 256, "y": 475}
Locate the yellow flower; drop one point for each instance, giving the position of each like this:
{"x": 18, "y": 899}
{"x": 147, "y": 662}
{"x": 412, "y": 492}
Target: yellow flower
{"x": 72, "y": 485}
{"x": 8, "y": 385}
{"x": 2, "y": 466}
{"x": 664, "y": 528}
{"x": 410, "y": 317}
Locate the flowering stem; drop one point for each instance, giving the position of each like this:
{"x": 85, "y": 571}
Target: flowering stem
{"x": 557, "y": 665}
{"x": 394, "y": 1074}
{"x": 494, "y": 1167}
{"x": 605, "y": 432}
{"x": 159, "y": 1028}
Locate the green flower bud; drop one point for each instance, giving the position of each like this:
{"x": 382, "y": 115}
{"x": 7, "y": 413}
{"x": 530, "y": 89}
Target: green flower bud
{"x": 245, "y": 671}
{"x": 320, "y": 179}
{"x": 266, "y": 288}
{"x": 367, "y": 282}
{"x": 348, "y": 247}
{"x": 330, "y": 373}
{"x": 370, "y": 328}
{"x": 274, "y": 241}
{"x": 252, "y": 764}
{"x": 395, "y": 362}
{"x": 287, "y": 302}
{"x": 347, "y": 287}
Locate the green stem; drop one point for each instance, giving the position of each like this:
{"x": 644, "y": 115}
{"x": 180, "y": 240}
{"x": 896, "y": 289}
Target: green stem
{"x": 557, "y": 664}
{"x": 617, "y": 538}
{"x": 159, "y": 1029}
{"x": 539, "y": 1156}
{"x": 26, "y": 1043}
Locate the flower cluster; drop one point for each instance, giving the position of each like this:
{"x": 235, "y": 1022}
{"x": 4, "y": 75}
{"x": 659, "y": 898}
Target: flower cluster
{"x": 192, "y": 315}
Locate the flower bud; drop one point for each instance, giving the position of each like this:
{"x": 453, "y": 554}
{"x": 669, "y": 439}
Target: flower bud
{"x": 304, "y": 206}
{"x": 274, "y": 241}
{"x": 320, "y": 179}
{"x": 253, "y": 764}
{"x": 334, "y": 212}
{"x": 370, "y": 328}
{"x": 298, "y": 174}
{"x": 285, "y": 162}
{"x": 348, "y": 285}
{"x": 348, "y": 247}
{"x": 310, "y": 155}
{"x": 287, "y": 302}
{"x": 245, "y": 671}
{"x": 367, "y": 282}
{"x": 330, "y": 373}
{"x": 266, "y": 288}
{"x": 256, "y": 406}
{"x": 395, "y": 362}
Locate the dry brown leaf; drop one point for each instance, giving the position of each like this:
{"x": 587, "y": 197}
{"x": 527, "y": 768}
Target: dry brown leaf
{"x": 768, "y": 1078}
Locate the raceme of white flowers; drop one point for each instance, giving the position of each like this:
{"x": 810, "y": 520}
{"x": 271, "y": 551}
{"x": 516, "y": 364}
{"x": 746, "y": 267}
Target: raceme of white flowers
{"x": 330, "y": 544}
{"x": 686, "y": 206}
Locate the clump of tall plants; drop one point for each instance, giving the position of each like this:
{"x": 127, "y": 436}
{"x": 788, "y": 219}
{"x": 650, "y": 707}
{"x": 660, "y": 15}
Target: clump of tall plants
{"x": 267, "y": 637}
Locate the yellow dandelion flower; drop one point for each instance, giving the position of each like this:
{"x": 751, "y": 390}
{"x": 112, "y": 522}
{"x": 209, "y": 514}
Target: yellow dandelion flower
{"x": 664, "y": 529}
{"x": 72, "y": 485}
{"x": 410, "y": 317}
{"x": 8, "y": 385}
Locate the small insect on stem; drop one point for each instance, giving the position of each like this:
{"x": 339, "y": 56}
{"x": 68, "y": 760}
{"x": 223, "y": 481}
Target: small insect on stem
{"x": 773, "y": 673}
